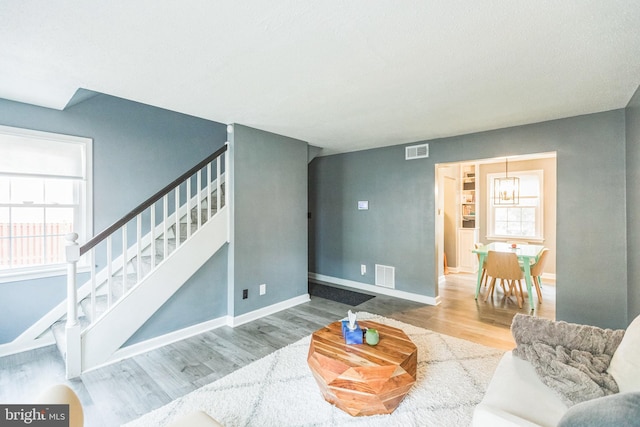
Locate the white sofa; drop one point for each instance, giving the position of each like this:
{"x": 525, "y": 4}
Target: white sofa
{"x": 517, "y": 397}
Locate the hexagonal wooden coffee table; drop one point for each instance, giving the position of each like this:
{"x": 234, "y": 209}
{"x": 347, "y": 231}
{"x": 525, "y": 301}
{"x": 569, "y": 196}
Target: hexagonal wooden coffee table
{"x": 361, "y": 379}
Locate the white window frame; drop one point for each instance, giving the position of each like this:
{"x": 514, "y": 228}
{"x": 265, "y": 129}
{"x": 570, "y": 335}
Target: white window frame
{"x": 539, "y": 228}
{"x": 83, "y": 221}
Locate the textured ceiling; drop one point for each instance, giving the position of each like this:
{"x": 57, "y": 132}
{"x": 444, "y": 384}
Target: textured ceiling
{"x": 342, "y": 75}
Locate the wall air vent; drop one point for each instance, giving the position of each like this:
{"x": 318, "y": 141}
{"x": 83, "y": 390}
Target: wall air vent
{"x": 385, "y": 276}
{"x": 416, "y": 152}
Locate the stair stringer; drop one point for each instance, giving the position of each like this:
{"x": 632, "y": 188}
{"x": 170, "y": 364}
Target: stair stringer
{"x": 108, "y": 333}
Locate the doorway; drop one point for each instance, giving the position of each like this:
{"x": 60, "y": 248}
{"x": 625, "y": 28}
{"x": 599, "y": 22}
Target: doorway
{"x": 451, "y": 178}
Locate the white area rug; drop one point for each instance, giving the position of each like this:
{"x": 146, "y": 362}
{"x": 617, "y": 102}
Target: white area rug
{"x": 279, "y": 389}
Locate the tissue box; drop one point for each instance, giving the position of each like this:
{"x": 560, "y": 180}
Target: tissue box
{"x": 351, "y": 337}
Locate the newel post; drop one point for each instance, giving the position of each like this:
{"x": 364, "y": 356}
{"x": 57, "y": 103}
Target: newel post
{"x": 72, "y": 329}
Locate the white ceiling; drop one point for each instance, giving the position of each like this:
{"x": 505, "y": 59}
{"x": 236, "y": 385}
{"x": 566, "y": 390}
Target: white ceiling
{"x": 343, "y": 75}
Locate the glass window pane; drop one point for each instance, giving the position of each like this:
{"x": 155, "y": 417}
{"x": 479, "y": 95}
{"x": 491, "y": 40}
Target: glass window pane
{"x": 4, "y": 222}
{"x": 513, "y": 228}
{"x": 5, "y": 254}
{"x": 27, "y": 221}
{"x": 500, "y": 228}
{"x": 528, "y": 229}
{"x": 500, "y": 214}
{"x": 4, "y": 189}
{"x": 59, "y": 191}
{"x": 529, "y": 215}
{"x": 514, "y": 214}
{"x": 27, "y": 251}
{"x": 5, "y": 242}
{"x": 55, "y": 253}
{"x": 27, "y": 190}
{"x": 59, "y": 221}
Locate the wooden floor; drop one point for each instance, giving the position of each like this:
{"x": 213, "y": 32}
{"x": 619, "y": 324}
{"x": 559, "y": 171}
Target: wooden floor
{"x": 126, "y": 390}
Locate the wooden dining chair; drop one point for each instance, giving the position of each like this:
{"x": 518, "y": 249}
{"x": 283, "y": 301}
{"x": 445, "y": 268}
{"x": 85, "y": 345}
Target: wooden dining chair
{"x": 484, "y": 277}
{"x": 536, "y": 272}
{"x": 504, "y": 266}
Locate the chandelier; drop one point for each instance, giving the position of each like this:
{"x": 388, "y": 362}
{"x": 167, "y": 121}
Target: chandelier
{"x": 506, "y": 191}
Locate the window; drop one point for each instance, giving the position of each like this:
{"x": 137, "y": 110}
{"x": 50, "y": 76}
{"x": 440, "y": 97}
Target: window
{"x": 523, "y": 220}
{"x": 44, "y": 195}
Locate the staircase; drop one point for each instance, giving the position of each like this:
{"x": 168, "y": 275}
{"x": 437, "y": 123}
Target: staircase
{"x": 136, "y": 265}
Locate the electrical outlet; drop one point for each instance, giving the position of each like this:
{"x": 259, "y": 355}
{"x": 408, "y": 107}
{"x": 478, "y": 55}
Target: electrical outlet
{"x": 245, "y": 293}
{"x": 363, "y": 269}
{"x": 263, "y": 289}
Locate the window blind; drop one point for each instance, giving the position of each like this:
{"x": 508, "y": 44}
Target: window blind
{"x": 40, "y": 153}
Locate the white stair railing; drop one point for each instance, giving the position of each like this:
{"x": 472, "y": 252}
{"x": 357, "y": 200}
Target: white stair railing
{"x": 142, "y": 244}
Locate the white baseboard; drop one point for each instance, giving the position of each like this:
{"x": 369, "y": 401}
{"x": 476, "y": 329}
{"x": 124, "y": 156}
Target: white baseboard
{"x": 15, "y": 347}
{"x": 377, "y": 289}
{"x": 548, "y": 276}
{"x": 172, "y": 337}
{"x": 162, "y": 340}
{"x": 265, "y": 311}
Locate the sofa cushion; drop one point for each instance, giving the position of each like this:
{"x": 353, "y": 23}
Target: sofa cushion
{"x": 625, "y": 363}
{"x": 516, "y": 396}
{"x": 620, "y": 410}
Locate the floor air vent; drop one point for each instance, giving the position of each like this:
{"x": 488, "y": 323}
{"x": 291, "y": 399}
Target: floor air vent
{"x": 385, "y": 276}
{"x": 416, "y": 152}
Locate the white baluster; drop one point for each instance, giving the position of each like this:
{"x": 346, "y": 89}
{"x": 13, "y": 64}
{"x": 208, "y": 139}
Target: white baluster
{"x": 209, "y": 202}
{"x": 109, "y": 270}
{"x": 139, "y": 247}
{"x": 73, "y": 255}
{"x": 72, "y": 327}
{"x": 93, "y": 284}
{"x": 125, "y": 258}
{"x": 153, "y": 236}
{"x": 177, "y": 213}
{"x": 199, "y": 198}
{"x": 218, "y": 188}
{"x": 188, "y": 208}
{"x": 165, "y": 220}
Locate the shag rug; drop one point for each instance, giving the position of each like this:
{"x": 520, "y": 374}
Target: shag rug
{"x": 279, "y": 389}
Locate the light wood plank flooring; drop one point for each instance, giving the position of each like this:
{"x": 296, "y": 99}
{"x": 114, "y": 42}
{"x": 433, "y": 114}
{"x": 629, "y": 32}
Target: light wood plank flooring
{"x": 126, "y": 390}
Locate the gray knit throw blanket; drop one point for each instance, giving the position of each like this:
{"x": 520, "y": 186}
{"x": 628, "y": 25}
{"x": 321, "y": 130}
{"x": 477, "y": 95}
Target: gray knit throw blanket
{"x": 569, "y": 358}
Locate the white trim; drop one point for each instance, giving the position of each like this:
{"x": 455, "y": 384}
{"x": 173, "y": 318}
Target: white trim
{"x": 548, "y": 276}
{"x": 163, "y": 340}
{"x": 266, "y": 311}
{"x": 188, "y": 332}
{"x": 18, "y": 346}
{"x": 377, "y": 289}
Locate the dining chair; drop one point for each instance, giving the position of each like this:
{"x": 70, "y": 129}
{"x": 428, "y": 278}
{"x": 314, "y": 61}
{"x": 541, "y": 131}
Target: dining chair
{"x": 536, "y": 272}
{"x": 484, "y": 277}
{"x": 504, "y": 266}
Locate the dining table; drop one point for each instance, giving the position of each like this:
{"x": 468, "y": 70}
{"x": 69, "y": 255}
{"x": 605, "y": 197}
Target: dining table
{"x": 527, "y": 256}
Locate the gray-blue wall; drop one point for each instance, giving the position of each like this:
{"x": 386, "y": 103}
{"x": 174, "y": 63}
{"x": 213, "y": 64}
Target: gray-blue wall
{"x": 269, "y": 219}
{"x": 633, "y": 204}
{"x": 399, "y": 229}
{"x": 137, "y": 150}
{"x": 393, "y": 231}
{"x": 202, "y": 298}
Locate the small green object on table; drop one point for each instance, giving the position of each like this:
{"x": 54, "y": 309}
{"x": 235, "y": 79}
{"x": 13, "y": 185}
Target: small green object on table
{"x": 372, "y": 336}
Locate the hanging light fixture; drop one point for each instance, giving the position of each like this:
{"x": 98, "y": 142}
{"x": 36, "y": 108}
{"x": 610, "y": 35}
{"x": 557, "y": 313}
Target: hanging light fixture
{"x": 506, "y": 191}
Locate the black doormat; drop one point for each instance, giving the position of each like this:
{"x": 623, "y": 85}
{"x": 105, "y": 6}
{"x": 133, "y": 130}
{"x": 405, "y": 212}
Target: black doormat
{"x": 339, "y": 295}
